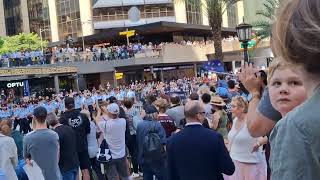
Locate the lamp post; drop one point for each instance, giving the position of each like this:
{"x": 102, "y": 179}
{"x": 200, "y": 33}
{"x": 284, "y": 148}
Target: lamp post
{"x": 244, "y": 34}
{"x": 41, "y": 38}
{"x": 84, "y": 22}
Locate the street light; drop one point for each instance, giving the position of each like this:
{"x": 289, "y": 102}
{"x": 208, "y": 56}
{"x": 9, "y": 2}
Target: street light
{"x": 244, "y": 34}
{"x": 82, "y": 23}
{"x": 42, "y": 30}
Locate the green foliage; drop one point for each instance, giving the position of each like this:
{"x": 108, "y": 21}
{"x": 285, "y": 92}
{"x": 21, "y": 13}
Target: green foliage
{"x": 21, "y": 42}
{"x": 264, "y": 25}
{"x": 1, "y": 42}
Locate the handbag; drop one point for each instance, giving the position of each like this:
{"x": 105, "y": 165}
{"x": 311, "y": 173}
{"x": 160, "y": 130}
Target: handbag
{"x": 104, "y": 153}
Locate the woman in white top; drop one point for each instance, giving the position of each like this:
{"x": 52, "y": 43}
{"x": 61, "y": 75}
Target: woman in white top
{"x": 245, "y": 150}
{"x": 8, "y": 152}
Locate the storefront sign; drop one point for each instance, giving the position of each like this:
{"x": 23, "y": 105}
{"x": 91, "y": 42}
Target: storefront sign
{"x": 37, "y": 71}
{"x": 26, "y": 88}
{"x": 15, "y": 84}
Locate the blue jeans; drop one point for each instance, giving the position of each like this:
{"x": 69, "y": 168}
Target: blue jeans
{"x": 20, "y": 171}
{"x": 159, "y": 170}
{"x": 70, "y": 175}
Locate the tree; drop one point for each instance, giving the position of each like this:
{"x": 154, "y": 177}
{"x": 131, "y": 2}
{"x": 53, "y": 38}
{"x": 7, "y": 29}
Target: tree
{"x": 214, "y": 9}
{"x": 264, "y": 25}
{"x": 21, "y": 42}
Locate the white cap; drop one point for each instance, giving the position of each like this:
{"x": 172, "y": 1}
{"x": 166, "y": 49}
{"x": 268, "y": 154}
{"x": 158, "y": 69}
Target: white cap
{"x": 113, "y": 108}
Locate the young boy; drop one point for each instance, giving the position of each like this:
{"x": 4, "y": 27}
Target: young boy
{"x": 286, "y": 86}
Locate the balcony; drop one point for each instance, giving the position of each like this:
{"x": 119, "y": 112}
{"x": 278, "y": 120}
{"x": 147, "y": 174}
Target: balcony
{"x": 169, "y": 53}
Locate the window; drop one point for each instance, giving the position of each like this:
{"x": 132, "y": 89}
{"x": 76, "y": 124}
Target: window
{"x": 12, "y": 14}
{"x": 121, "y": 13}
{"x": 68, "y": 13}
{"x": 194, "y": 15}
{"x": 232, "y": 16}
{"x": 39, "y": 18}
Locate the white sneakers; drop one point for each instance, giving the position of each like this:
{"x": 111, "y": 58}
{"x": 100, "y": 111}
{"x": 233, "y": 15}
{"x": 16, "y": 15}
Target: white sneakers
{"x": 134, "y": 175}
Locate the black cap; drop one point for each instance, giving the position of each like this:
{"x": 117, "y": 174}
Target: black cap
{"x": 40, "y": 112}
{"x": 151, "y": 109}
{"x": 112, "y": 99}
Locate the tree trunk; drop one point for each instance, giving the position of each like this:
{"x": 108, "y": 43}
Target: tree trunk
{"x": 216, "y": 25}
{"x": 217, "y": 43}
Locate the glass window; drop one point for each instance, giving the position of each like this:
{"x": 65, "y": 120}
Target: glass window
{"x": 232, "y": 16}
{"x": 194, "y": 15}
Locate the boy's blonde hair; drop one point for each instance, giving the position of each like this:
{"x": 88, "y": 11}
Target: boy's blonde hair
{"x": 279, "y": 64}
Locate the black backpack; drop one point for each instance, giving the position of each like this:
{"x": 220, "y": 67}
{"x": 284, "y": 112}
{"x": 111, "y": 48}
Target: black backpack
{"x": 104, "y": 154}
{"x": 152, "y": 146}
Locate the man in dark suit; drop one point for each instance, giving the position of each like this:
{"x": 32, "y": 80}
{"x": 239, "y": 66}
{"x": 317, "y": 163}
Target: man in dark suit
{"x": 197, "y": 153}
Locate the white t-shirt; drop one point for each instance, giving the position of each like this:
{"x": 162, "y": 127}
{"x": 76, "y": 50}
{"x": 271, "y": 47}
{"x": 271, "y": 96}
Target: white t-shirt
{"x": 241, "y": 145}
{"x": 114, "y": 133}
{"x": 92, "y": 140}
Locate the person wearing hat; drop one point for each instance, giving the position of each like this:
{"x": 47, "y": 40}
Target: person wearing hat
{"x": 114, "y": 129}
{"x": 150, "y": 123}
{"x": 218, "y": 119}
{"x": 42, "y": 146}
{"x": 81, "y": 125}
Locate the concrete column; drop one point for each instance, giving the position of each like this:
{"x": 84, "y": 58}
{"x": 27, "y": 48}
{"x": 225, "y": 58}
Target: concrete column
{"x": 86, "y": 17}
{"x": 240, "y": 12}
{"x": 242, "y": 62}
{"x": 56, "y": 84}
{"x": 195, "y": 69}
{"x": 53, "y": 20}
{"x": 115, "y": 82}
{"x": 225, "y": 19}
{"x": 180, "y": 11}
{"x": 25, "y": 17}
{"x": 161, "y": 74}
{"x": 2, "y": 20}
{"x": 76, "y": 83}
{"x": 233, "y": 66}
{"x": 205, "y": 18}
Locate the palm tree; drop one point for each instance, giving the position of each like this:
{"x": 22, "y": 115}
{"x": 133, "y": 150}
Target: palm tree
{"x": 214, "y": 9}
{"x": 264, "y": 25}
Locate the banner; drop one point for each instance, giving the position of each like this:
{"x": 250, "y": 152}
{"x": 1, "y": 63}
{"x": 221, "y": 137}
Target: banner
{"x": 26, "y": 88}
{"x": 214, "y": 65}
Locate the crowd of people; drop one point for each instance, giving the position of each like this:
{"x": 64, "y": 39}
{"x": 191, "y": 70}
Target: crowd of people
{"x": 225, "y": 128}
{"x": 101, "y": 52}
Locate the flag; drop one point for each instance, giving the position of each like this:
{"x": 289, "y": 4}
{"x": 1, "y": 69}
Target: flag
{"x": 214, "y": 65}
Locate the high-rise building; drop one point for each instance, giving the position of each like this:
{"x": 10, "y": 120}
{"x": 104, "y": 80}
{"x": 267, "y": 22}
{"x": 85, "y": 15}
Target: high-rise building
{"x": 57, "y": 20}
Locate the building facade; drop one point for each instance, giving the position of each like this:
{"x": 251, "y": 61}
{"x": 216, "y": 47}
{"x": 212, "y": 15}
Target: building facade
{"x": 58, "y": 20}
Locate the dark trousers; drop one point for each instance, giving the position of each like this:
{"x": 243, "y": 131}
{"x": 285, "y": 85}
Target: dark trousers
{"x": 95, "y": 166}
{"x": 25, "y": 126}
{"x": 16, "y": 122}
{"x": 133, "y": 150}
{"x": 155, "y": 169}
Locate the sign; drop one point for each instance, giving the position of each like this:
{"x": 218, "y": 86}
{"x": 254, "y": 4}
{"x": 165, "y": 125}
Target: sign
{"x": 15, "y": 84}
{"x": 215, "y": 65}
{"x": 26, "y": 88}
{"x": 119, "y": 76}
{"x": 36, "y": 71}
{"x": 127, "y": 33}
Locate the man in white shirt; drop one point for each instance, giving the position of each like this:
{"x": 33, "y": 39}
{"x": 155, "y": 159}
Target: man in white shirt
{"x": 114, "y": 129}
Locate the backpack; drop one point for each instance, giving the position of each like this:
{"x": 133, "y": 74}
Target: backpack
{"x": 104, "y": 153}
{"x": 152, "y": 146}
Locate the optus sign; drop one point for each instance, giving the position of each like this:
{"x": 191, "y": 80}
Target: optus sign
{"x": 15, "y": 84}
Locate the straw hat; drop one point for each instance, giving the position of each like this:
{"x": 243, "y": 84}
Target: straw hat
{"x": 217, "y": 101}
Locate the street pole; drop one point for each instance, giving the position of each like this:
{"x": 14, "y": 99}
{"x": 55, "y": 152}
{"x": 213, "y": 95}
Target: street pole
{"x": 127, "y": 38}
{"x": 41, "y": 40}
{"x": 83, "y": 43}
{"x": 245, "y": 52}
